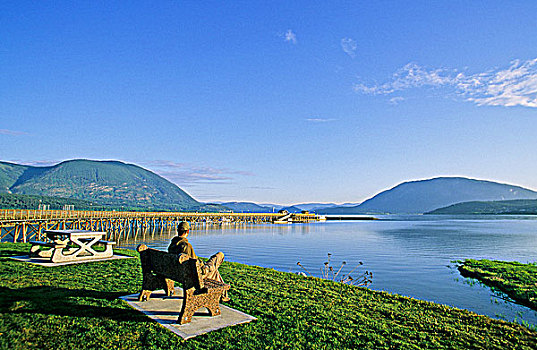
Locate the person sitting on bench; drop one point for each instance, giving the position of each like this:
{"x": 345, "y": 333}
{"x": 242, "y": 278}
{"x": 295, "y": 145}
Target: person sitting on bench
{"x": 180, "y": 245}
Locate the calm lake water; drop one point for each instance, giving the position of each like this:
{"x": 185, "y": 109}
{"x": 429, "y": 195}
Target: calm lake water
{"x": 408, "y": 255}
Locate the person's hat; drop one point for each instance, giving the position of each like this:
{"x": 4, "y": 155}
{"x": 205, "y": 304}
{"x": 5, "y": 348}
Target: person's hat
{"x": 183, "y": 226}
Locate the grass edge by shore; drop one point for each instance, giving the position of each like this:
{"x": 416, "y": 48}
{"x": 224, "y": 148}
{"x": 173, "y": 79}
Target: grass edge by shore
{"x": 59, "y": 305}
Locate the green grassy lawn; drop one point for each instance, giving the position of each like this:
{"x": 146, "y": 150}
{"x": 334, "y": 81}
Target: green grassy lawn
{"x": 76, "y": 307}
{"x": 518, "y": 281}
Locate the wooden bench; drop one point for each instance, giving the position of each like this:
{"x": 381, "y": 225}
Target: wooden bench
{"x": 160, "y": 270}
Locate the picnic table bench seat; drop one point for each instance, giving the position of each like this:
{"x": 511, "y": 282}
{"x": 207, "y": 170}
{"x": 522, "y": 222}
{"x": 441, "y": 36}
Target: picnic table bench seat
{"x": 160, "y": 270}
{"x": 35, "y": 250}
{"x": 46, "y": 244}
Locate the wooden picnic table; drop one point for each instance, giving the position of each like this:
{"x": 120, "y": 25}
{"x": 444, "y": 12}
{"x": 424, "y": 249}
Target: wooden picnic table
{"x": 72, "y": 245}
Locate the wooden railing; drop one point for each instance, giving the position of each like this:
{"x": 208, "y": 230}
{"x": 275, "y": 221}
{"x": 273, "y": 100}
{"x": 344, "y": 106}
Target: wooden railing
{"x": 28, "y": 214}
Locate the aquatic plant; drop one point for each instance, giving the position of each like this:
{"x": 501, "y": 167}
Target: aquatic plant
{"x": 329, "y": 273}
{"x": 518, "y": 281}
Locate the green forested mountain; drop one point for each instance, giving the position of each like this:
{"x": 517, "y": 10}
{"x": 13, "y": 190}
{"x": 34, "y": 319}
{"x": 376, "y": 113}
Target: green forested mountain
{"x": 111, "y": 183}
{"x": 512, "y": 207}
{"x": 22, "y": 201}
{"x": 9, "y": 173}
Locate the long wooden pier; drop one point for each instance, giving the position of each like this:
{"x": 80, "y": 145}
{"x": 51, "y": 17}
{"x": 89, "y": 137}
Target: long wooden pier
{"x": 20, "y": 225}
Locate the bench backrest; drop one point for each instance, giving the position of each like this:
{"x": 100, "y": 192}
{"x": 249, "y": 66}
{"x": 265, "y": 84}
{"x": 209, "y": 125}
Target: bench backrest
{"x": 188, "y": 273}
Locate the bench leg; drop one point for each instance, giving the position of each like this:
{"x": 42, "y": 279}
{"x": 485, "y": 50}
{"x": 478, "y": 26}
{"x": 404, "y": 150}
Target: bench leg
{"x": 144, "y": 295}
{"x": 108, "y": 252}
{"x": 63, "y": 254}
{"x": 154, "y": 282}
{"x": 212, "y": 302}
{"x": 188, "y": 309}
{"x": 170, "y": 287}
{"x": 192, "y": 302}
{"x": 35, "y": 251}
{"x": 214, "y": 310}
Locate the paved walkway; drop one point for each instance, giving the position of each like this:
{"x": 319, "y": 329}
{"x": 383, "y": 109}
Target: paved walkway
{"x": 165, "y": 310}
{"x": 47, "y": 262}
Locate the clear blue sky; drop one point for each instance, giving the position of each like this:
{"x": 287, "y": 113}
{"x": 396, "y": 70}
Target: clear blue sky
{"x": 275, "y": 101}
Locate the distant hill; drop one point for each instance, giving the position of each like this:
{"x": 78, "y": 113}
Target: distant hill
{"x": 246, "y": 207}
{"x": 250, "y": 207}
{"x": 422, "y": 196}
{"x": 314, "y": 206}
{"x": 271, "y": 205}
{"x": 292, "y": 209}
{"x": 103, "y": 182}
{"x": 512, "y": 207}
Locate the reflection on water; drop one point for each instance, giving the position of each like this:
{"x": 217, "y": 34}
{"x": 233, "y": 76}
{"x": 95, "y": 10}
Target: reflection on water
{"x": 167, "y": 233}
{"x": 409, "y": 255}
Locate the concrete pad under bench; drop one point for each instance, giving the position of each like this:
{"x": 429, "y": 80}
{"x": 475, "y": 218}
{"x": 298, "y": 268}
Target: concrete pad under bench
{"x": 47, "y": 262}
{"x": 165, "y": 310}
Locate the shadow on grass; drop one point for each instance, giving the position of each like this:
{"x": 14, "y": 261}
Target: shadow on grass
{"x": 67, "y": 302}
{"x": 9, "y": 253}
